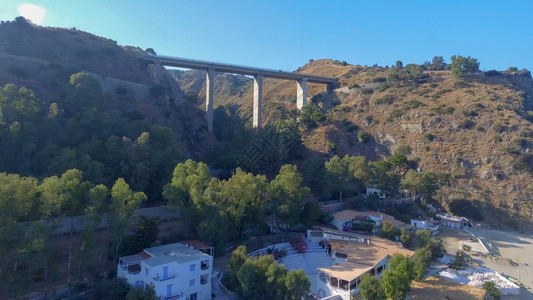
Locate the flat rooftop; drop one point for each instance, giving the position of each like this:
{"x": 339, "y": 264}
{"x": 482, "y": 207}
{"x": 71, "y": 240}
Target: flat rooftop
{"x": 369, "y": 254}
{"x": 350, "y": 214}
{"x": 176, "y": 252}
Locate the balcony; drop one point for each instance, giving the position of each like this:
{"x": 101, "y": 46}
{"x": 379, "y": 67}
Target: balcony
{"x": 161, "y": 279}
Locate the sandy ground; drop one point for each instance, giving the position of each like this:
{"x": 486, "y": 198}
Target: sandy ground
{"x": 511, "y": 253}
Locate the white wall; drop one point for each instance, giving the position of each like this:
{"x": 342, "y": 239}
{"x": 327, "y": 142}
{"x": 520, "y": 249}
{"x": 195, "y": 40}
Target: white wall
{"x": 179, "y": 276}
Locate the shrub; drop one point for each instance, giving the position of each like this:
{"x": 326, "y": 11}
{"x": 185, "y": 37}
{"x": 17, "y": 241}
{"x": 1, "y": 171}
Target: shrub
{"x": 367, "y": 91}
{"x": 492, "y": 290}
{"x": 300, "y": 246}
{"x": 382, "y": 88}
{"x": 466, "y": 124}
{"x": 449, "y": 110}
{"x": 440, "y": 93}
{"x": 353, "y": 86}
{"x": 469, "y": 113}
{"x": 385, "y": 100}
{"x": 498, "y": 127}
{"x": 524, "y": 162}
{"x": 278, "y": 253}
{"x": 497, "y": 138}
{"x": 492, "y": 73}
{"x": 526, "y": 133}
{"x": 428, "y": 136}
{"x": 415, "y": 103}
{"x": 363, "y": 137}
{"x": 379, "y": 79}
{"x": 396, "y": 113}
{"x": 404, "y": 150}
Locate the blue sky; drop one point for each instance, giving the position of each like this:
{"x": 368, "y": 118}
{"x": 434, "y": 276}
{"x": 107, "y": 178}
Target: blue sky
{"x": 281, "y": 34}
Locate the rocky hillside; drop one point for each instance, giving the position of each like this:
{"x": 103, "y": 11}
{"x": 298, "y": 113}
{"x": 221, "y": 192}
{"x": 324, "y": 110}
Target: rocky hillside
{"x": 475, "y": 129}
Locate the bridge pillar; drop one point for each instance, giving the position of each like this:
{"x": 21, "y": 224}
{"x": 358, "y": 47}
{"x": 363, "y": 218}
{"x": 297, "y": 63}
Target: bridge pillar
{"x": 258, "y": 100}
{"x": 301, "y": 93}
{"x": 157, "y": 72}
{"x": 210, "y": 80}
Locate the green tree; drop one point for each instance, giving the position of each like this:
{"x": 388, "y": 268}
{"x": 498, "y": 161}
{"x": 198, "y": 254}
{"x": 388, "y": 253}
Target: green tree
{"x": 146, "y": 232}
{"x": 297, "y": 285}
{"x": 428, "y": 184}
{"x": 124, "y": 204}
{"x": 189, "y": 181}
{"x": 399, "y": 64}
{"x": 371, "y": 288}
{"x": 18, "y": 196}
{"x": 388, "y": 231}
{"x": 237, "y": 259}
{"x": 415, "y": 71}
{"x": 411, "y": 182}
{"x": 142, "y": 293}
{"x": 244, "y": 200}
{"x": 393, "y": 75}
{"x": 18, "y": 104}
{"x": 214, "y": 227}
{"x": 437, "y": 63}
{"x": 85, "y": 99}
{"x": 422, "y": 238}
{"x": 421, "y": 261}
{"x": 463, "y": 65}
{"x": 397, "y": 277}
{"x": 406, "y": 238}
{"x": 348, "y": 173}
{"x": 339, "y": 173}
{"x": 286, "y": 194}
{"x": 276, "y": 288}
{"x": 89, "y": 252}
{"x": 436, "y": 247}
{"x": 310, "y": 115}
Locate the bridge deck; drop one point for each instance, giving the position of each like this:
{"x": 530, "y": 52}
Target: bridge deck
{"x": 235, "y": 69}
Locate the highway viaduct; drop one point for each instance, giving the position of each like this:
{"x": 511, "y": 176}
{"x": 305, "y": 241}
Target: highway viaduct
{"x": 211, "y": 68}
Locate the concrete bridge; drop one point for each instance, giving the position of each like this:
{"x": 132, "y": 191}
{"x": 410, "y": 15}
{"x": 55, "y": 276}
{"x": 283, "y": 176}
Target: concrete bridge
{"x": 258, "y": 73}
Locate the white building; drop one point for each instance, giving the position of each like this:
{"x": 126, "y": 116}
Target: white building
{"x": 344, "y": 219}
{"x": 453, "y": 221}
{"x": 177, "y": 271}
{"x": 427, "y": 224}
{"x": 353, "y": 255}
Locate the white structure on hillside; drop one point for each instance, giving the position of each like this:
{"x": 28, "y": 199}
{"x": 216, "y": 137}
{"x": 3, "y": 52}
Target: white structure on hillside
{"x": 372, "y": 190}
{"x": 427, "y": 224}
{"x": 453, "y": 221}
{"x": 177, "y": 271}
{"x": 344, "y": 219}
{"x": 353, "y": 255}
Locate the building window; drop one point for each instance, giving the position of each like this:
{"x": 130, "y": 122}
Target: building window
{"x": 204, "y": 279}
{"x": 193, "y": 267}
{"x": 146, "y": 271}
{"x": 191, "y": 282}
{"x": 194, "y": 296}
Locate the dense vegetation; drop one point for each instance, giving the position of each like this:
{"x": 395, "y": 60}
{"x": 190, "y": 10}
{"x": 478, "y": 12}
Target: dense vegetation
{"x": 77, "y": 131}
{"x": 263, "y": 278}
